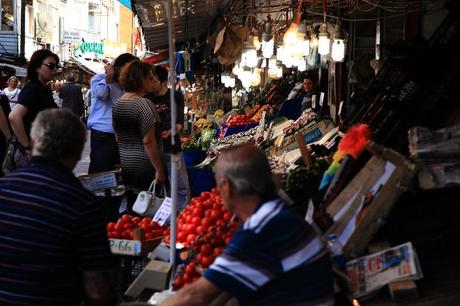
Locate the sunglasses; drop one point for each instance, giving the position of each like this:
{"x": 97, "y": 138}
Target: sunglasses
{"x": 52, "y": 66}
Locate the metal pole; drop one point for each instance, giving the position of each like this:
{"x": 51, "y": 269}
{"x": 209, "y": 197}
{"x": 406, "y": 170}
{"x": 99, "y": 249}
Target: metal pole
{"x": 172, "y": 90}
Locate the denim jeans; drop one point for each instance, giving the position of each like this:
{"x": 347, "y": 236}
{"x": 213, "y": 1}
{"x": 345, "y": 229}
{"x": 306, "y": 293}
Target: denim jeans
{"x": 183, "y": 186}
{"x": 104, "y": 152}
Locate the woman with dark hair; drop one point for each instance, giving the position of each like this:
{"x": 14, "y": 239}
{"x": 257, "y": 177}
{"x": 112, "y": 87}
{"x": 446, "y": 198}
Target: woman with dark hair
{"x": 134, "y": 121}
{"x": 34, "y": 97}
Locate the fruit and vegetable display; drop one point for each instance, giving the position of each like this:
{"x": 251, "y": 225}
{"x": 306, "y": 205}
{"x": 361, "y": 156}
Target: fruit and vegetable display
{"x": 205, "y": 227}
{"x": 125, "y": 226}
{"x": 302, "y": 182}
{"x": 306, "y": 117}
{"x": 239, "y": 120}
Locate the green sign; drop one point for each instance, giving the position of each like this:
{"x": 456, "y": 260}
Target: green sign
{"x": 93, "y": 47}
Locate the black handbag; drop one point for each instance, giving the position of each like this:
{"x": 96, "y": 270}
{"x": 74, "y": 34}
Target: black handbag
{"x": 15, "y": 156}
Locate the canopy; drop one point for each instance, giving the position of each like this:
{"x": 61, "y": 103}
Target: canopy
{"x": 20, "y": 71}
{"x": 192, "y": 19}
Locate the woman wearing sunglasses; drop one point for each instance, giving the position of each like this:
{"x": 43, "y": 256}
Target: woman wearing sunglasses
{"x": 33, "y": 98}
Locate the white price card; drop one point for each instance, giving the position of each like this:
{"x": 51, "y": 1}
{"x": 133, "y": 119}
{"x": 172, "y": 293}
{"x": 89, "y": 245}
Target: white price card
{"x": 164, "y": 212}
{"x": 313, "y": 101}
{"x": 321, "y": 99}
{"x": 310, "y": 212}
{"x": 100, "y": 182}
{"x": 125, "y": 247}
{"x": 340, "y": 108}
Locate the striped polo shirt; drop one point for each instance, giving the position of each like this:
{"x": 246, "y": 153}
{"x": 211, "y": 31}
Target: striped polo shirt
{"x": 51, "y": 229}
{"x": 274, "y": 258}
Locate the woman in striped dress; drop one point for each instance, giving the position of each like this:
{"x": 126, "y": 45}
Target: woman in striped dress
{"x": 134, "y": 121}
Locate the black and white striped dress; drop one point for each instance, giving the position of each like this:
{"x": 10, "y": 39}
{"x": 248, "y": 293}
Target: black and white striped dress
{"x": 132, "y": 119}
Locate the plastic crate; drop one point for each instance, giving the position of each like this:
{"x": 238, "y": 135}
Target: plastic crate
{"x": 129, "y": 267}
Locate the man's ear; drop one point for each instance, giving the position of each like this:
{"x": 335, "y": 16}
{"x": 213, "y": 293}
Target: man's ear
{"x": 226, "y": 187}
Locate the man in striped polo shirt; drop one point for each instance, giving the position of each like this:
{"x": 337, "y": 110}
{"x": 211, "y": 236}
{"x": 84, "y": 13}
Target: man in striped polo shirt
{"x": 274, "y": 258}
{"x": 53, "y": 245}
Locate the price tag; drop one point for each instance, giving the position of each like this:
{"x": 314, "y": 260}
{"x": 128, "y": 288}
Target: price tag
{"x": 321, "y": 99}
{"x": 313, "y": 101}
{"x": 125, "y": 247}
{"x": 164, "y": 212}
{"x": 99, "y": 182}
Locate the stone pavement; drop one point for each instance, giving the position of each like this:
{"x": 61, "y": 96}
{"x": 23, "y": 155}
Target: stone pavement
{"x": 83, "y": 164}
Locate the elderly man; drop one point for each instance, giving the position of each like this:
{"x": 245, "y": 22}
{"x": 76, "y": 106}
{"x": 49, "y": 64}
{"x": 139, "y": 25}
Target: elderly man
{"x": 54, "y": 248}
{"x": 274, "y": 258}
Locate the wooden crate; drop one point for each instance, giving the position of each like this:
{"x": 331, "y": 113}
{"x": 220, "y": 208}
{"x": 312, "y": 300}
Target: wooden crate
{"x": 378, "y": 185}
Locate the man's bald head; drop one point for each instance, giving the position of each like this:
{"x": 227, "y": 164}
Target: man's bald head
{"x": 248, "y": 170}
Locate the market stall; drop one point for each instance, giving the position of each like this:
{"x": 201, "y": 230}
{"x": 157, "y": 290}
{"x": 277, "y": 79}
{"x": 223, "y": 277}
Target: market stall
{"x": 346, "y": 172}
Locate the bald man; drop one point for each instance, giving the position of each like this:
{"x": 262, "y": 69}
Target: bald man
{"x": 274, "y": 258}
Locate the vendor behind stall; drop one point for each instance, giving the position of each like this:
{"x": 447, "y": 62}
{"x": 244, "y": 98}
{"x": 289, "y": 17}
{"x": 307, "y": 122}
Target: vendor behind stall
{"x": 274, "y": 258}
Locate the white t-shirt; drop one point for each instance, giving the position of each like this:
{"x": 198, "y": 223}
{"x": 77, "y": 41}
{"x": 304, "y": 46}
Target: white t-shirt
{"x": 12, "y": 95}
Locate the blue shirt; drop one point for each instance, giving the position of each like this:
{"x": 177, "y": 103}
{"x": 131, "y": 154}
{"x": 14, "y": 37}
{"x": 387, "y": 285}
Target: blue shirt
{"x": 274, "y": 258}
{"x": 103, "y": 97}
{"x": 51, "y": 229}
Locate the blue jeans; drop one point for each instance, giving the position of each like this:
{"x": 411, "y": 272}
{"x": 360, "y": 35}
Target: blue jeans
{"x": 104, "y": 152}
{"x": 183, "y": 186}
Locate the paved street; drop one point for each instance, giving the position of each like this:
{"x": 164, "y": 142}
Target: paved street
{"x": 83, "y": 164}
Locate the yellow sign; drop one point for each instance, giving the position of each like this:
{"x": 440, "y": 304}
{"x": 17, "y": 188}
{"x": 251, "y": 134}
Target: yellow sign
{"x": 113, "y": 48}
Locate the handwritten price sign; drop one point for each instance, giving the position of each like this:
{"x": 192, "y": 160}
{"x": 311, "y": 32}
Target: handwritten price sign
{"x": 125, "y": 247}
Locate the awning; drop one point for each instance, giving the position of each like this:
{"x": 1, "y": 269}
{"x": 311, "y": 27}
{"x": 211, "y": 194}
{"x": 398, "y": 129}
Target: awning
{"x": 89, "y": 66}
{"x": 194, "y": 24}
{"x": 20, "y": 71}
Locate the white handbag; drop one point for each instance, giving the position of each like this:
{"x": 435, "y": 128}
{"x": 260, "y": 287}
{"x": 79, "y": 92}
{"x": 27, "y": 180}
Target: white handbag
{"x": 147, "y": 202}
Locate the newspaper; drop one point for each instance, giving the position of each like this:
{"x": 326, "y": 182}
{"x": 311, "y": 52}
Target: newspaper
{"x": 369, "y": 273}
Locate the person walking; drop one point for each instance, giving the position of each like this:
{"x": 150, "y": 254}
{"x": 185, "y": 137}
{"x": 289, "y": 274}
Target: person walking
{"x": 105, "y": 91}
{"x": 161, "y": 98}
{"x": 72, "y": 96}
{"x": 135, "y": 122}
{"x": 35, "y": 97}
{"x": 12, "y": 91}
{"x": 55, "y": 249}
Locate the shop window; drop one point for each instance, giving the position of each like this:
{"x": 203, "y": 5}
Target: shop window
{"x": 7, "y": 15}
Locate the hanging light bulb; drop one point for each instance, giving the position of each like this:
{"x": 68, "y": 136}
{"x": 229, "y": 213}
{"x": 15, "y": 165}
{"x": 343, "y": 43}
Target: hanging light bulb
{"x": 314, "y": 40}
{"x": 338, "y": 46}
{"x": 231, "y": 82}
{"x": 255, "y": 77}
{"x": 256, "y": 42}
{"x": 267, "y": 48}
{"x": 249, "y": 55}
{"x": 290, "y": 37}
{"x": 272, "y": 62}
{"x": 324, "y": 41}
{"x": 302, "y": 65}
{"x": 223, "y": 78}
{"x": 280, "y": 53}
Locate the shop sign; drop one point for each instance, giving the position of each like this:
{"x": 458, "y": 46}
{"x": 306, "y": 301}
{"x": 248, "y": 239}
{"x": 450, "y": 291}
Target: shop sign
{"x": 105, "y": 180}
{"x": 113, "y": 48}
{"x": 93, "y": 47}
{"x": 71, "y": 37}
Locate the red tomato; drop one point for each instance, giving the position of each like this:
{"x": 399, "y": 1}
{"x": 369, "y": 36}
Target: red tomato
{"x": 111, "y": 226}
{"x": 220, "y": 222}
{"x": 149, "y": 236}
{"x": 157, "y": 233}
{"x": 136, "y": 220}
{"x": 126, "y": 218}
{"x": 110, "y": 235}
{"x": 146, "y": 220}
{"x": 178, "y": 283}
{"x": 181, "y": 236}
{"x": 196, "y": 220}
{"x": 146, "y": 227}
{"x": 155, "y": 224}
{"x": 119, "y": 227}
{"x": 206, "y": 249}
{"x": 200, "y": 229}
{"x": 206, "y": 261}
{"x": 198, "y": 211}
{"x": 227, "y": 216}
{"x": 217, "y": 251}
{"x": 227, "y": 240}
{"x": 186, "y": 278}
{"x": 116, "y": 234}
{"x": 167, "y": 239}
{"x": 190, "y": 268}
{"x": 191, "y": 238}
{"x": 215, "y": 214}
{"x": 206, "y": 222}
{"x": 128, "y": 226}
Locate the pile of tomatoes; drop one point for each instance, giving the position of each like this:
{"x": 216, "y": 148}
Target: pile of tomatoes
{"x": 124, "y": 228}
{"x": 239, "y": 120}
{"x": 205, "y": 227}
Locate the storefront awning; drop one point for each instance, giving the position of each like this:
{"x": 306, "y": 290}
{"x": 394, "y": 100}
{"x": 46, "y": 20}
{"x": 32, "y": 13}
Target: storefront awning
{"x": 192, "y": 19}
{"x": 20, "y": 71}
{"x": 89, "y": 66}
